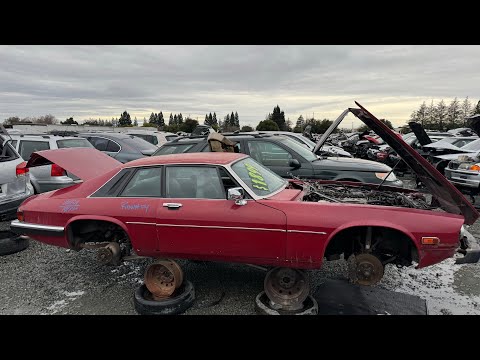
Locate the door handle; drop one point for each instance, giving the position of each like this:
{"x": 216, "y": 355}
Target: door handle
{"x": 172, "y": 206}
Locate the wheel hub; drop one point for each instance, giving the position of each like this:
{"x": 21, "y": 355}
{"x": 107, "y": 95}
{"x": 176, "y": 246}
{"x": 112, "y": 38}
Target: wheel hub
{"x": 162, "y": 278}
{"x": 287, "y": 287}
{"x": 367, "y": 269}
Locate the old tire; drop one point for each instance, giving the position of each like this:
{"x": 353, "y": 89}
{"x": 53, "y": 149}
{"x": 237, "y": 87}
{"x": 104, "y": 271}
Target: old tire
{"x": 11, "y": 243}
{"x": 182, "y": 299}
{"x": 262, "y": 306}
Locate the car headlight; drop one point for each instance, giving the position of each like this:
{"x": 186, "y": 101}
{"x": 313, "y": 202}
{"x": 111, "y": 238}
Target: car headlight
{"x": 466, "y": 166}
{"x": 386, "y": 176}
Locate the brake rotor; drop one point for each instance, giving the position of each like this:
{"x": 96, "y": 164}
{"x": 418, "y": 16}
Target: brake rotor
{"x": 287, "y": 287}
{"x": 162, "y": 278}
{"x": 367, "y": 269}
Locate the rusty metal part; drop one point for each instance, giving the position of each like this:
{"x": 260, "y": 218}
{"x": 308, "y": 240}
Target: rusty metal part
{"x": 365, "y": 269}
{"x": 93, "y": 246}
{"x": 287, "y": 288}
{"x": 108, "y": 252}
{"x": 162, "y": 278}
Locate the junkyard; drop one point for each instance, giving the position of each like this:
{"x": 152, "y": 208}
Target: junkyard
{"x": 316, "y": 217}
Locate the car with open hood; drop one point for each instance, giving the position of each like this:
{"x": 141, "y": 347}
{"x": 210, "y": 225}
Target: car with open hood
{"x": 287, "y": 158}
{"x": 225, "y": 206}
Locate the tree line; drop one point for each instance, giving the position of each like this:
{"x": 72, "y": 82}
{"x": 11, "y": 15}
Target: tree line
{"x": 444, "y": 117}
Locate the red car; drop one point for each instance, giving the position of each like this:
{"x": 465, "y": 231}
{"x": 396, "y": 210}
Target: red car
{"x": 228, "y": 207}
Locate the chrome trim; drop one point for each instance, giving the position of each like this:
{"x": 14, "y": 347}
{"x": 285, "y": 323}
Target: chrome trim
{"x": 176, "y": 163}
{"x": 172, "y": 205}
{"x": 139, "y": 223}
{"x": 307, "y": 232}
{"x": 25, "y": 225}
{"x": 221, "y": 227}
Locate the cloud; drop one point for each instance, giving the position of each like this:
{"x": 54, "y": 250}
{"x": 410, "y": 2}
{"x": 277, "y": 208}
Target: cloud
{"x": 103, "y": 81}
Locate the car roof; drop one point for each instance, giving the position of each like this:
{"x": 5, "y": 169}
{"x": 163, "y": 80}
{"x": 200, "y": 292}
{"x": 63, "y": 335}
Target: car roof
{"x": 220, "y": 158}
{"x": 43, "y": 136}
{"x": 231, "y": 136}
{"x": 116, "y": 136}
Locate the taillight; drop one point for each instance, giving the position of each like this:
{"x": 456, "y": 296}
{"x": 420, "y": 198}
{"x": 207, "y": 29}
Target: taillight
{"x": 21, "y": 170}
{"x": 20, "y": 215}
{"x": 57, "y": 171}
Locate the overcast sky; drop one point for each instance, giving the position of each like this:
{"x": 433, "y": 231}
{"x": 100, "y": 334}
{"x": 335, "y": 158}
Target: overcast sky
{"x": 103, "y": 81}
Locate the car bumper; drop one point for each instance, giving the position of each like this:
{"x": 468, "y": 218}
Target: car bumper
{"x": 8, "y": 207}
{"x": 54, "y": 184}
{"x": 24, "y": 228}
{"x": 463, "y": 178}
{"x": 470, "y": 249}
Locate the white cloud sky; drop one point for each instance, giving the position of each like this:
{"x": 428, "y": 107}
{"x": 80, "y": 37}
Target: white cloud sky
{"x": 103, "y": 81}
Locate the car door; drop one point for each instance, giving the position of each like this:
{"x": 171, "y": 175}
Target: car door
{"x": 196, "y": 220}
{"x": 132, "y": 196}
{"x": 277, "y": 158}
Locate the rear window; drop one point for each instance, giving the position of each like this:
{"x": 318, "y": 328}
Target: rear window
{"x": 27, "y": 147}
{"x": 174, "y": 149}
{"x": 170, "y": 137}
{"x": 73, "y": 143}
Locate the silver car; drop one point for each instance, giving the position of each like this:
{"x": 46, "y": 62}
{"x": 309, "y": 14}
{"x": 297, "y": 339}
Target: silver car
{"x": 48, "y": 177}
{"x": 15, "y": 183}
{"x": 464, "y": 171}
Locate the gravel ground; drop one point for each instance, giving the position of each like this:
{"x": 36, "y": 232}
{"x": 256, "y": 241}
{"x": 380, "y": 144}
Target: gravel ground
{"x": 49, "y": 280}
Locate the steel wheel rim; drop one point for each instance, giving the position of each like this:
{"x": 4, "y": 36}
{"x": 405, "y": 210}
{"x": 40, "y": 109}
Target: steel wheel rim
{"x": 369, "y": 269}
{"x": 287, "y": 287}
{"x": 162, "y": 278}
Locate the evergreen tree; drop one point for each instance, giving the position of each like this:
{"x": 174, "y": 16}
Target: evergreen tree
{"x": 267, "y": 125}
{"x": 161, "y": 120}
{"x": 279, "y": 117}
{"x": 151, "y": 120}
{"x": 214, "y": 120}
{"x": 466, "y": 109}
{"x": 125, "y": 119}
{"x": 422, "y": 114}
{"x": 171, "y": 121}
{"x": 232, "y": 119}
{"x": 454, "y": 114}
{"x": 430, "y": 117}
{"x": 206, "y": 122}
{"x": 477, "y": 109}
{"x": 441, "y": 115}
{"x": 180, "y": 119}
{"x": 210, "y": 119}
{"x": 226, "y": 123}
{"x": 135, "y": 122}
{"x": 237, "y": 121}
{"x": 175, "y": 119}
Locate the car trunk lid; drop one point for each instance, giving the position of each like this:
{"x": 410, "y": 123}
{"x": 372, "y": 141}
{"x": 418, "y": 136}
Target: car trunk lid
{"x": 86, "y": 163}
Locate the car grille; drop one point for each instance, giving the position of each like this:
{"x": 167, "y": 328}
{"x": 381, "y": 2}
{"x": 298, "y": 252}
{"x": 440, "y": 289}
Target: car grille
{"x": 453, "y": 165}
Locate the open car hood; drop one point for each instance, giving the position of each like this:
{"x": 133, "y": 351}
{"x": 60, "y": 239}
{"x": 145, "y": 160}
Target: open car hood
{"x": 86, "y": 163}
{"x": 420, "y": 133}
{"x": 448, "y": 197}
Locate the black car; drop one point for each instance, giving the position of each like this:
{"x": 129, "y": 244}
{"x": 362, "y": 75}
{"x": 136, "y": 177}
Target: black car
{"x": 120, "y": 146}
{"x": 287, "y": 157}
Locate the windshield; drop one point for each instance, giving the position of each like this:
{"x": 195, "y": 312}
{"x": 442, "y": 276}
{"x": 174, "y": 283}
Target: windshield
{"x": 173, "y": 149}
{"x": 137, "y": 143}
{"x": 299, "y": 149}
{"x": 73, "y": 143}
{"x": 474, "y": 145}
{"x": 258, "y": 178}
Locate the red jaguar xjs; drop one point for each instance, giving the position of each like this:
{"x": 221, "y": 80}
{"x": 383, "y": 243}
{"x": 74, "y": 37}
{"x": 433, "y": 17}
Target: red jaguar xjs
{"x": 228, "y": 207}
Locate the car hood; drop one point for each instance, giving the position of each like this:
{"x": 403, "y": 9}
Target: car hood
{"x": 420, "y": 133}
{"x": 448, "y": 197}
{"x": 455, "y": 156}
{"x": 442, "y": 145}
{"x": 351, "y": 164}
{"x": 336, "y": 150}
{"x": 86, "y": 163}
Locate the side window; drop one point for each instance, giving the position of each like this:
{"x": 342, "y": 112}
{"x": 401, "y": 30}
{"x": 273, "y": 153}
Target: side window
{"x": 14, "y": 143}
{"x": 206, "y": 148}
{"x": 153, "y": 140}
{"x": 268, "y": 154}
{"x": 174, "y": 149}
{"x": 195, "y": 182}
{"x": 145, "y": 183}
{"x": 112, "y": 146}
{"x": 99, "y": 143}
{"x": 27, "y": 147}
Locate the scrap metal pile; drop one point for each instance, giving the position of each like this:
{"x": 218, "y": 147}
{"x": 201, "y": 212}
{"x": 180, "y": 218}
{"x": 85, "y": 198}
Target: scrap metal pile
{"x": 316, "y": 192}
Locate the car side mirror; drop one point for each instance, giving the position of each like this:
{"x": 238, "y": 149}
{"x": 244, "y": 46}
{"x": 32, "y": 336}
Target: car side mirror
{"x": 294, "y": 163}
{"x": 236, "y": 194}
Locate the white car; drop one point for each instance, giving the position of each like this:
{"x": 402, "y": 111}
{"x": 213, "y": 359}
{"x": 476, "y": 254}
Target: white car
{"x": 157, "y": 138}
